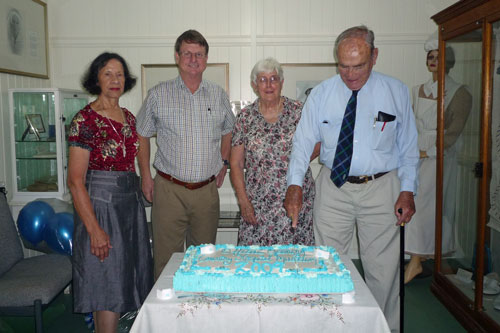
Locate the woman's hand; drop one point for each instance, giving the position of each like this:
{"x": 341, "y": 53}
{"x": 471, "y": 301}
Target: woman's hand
{"x": 247, "y": 211}
{"x": 99, "y": 243}
{"x": 221, "y": 176}
{"x": 143, "y": 156}
{"x": 147, "y": 187}
{"x": 237, "y": 178}
{"x": 77, "y": 169}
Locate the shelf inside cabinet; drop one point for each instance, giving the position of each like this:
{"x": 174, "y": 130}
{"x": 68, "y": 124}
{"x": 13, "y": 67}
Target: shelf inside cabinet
{"x": 42, "y": 140}
{"x": 39, "y": 156}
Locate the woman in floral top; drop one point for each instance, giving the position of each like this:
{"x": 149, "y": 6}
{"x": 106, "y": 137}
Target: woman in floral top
{"x": 112, "y": 264}
{"x": 261, "y": 144}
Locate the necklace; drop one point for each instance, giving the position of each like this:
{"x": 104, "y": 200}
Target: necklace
{"x": 123, "y": 132}
{"x": 271, "y": 115}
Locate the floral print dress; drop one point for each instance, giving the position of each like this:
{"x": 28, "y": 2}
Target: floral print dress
{"x": 267, "y": 149}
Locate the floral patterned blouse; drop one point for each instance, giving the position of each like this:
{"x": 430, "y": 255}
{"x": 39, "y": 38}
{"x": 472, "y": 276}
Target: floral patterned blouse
{"x": 89, "y": 130}
{"x": 267, "y": 149}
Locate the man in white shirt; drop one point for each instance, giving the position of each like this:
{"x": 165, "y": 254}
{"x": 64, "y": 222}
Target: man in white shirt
{"x": 378, "y": 166}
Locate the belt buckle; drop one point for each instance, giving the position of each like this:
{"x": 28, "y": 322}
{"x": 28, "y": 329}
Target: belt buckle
{"x": 365, "y": 179}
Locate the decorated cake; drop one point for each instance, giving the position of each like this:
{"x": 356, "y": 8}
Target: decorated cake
{"x": 269, "y": 269}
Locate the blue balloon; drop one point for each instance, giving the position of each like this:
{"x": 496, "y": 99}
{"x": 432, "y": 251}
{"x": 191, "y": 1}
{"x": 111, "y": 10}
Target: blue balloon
{"x": 64, "y": 232}
{"x": 49, "y": 234}
{"x": 32, "y": 220}
{"x": 58, "y": 233}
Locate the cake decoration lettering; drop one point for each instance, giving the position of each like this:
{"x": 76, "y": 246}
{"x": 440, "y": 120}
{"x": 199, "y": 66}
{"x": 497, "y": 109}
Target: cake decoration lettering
{"x": 254, "y": 269}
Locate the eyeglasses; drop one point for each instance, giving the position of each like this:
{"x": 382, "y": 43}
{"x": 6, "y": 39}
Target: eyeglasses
{"x": 432, "y": 57}
{"x": 188, "y": 55}
{"x": 262, "y": 80}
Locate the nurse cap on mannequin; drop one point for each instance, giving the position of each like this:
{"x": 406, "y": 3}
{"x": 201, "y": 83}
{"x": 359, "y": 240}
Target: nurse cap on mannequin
{"x": 432, "y": 43}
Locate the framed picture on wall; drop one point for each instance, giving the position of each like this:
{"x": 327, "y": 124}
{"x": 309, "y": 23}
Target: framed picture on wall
{"x": 301, "y": 78}
{"x": 23, "y": 38}
{"x": 152, "y": 74}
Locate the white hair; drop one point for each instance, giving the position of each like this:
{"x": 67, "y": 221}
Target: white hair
{"x": 267, "y": 65}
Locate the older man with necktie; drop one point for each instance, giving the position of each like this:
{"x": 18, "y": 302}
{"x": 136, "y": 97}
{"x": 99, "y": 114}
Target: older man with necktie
{"x": 369, "y": 153}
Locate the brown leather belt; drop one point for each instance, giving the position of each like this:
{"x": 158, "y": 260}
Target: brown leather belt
{"x": 189, "y": 186}
{"x": 364, "y": 179}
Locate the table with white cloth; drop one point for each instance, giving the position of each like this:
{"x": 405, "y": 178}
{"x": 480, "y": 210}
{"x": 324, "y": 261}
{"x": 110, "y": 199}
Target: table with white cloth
{"x": 218, "y": 312}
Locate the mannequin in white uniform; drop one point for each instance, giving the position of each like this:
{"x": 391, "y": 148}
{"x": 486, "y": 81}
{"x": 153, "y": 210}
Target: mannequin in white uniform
{"x": 420, "y": 234}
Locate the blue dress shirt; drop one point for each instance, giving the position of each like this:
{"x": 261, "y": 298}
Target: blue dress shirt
{"x": 378, "y": 146}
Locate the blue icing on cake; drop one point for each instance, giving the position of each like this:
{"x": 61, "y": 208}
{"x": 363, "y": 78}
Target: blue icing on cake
{"x": 266, "y": 269}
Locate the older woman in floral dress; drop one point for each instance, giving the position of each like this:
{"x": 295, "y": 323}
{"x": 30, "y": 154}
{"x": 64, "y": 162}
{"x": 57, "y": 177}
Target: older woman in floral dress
{"x": 261, "y": 144}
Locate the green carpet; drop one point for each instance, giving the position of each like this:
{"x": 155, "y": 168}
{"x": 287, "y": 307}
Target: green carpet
{"x": 424, "y": 312}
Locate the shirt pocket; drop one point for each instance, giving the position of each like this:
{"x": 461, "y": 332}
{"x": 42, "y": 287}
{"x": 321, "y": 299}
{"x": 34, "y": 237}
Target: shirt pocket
{"x": 215, "y": 121}
{"x": 329, "y": 139}
{"x": 208, "y": 120}
{"x": 383, "y": 135}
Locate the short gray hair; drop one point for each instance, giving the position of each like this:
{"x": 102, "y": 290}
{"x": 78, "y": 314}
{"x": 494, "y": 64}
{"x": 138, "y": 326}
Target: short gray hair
{"x": 267, "y": 65}
{"x": 361, "y": 31}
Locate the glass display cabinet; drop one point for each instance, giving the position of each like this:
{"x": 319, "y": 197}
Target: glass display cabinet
{"x": 466, "y": 278}
{"x": 39, "y": 120}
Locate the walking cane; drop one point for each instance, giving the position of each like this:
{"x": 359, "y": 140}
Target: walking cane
{"x": 401, "y": 275}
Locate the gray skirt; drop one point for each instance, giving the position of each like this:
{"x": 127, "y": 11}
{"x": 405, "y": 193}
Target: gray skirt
{"x": 122, "y": 282}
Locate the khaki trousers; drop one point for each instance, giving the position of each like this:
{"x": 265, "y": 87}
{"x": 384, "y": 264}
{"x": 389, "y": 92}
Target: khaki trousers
{"x": 370, "y": 207}
{"x": 180, "y": 215}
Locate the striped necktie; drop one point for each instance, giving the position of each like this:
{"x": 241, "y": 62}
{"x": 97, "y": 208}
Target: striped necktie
{"x": 343, "y": 154}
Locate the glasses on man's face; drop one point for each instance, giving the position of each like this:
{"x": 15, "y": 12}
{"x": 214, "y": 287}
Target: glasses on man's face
{"x": 262, "y": 80}
{"x": 188, "y": 55}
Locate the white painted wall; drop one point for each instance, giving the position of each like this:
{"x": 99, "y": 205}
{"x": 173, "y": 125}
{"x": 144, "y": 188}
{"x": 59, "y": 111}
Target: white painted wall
{"x": 239, "y": 32}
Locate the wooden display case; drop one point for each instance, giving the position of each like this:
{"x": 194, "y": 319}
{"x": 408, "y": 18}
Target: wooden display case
{"x": 470, "y": 30}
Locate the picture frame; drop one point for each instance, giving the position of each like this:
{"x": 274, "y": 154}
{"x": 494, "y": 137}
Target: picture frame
{"x": 300, "y": 78}
{"x": 152, "y": 74}
{"x": 36, "y": 122}
{"x": 26, "y": 38}
{"x": 34, "y": 126}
